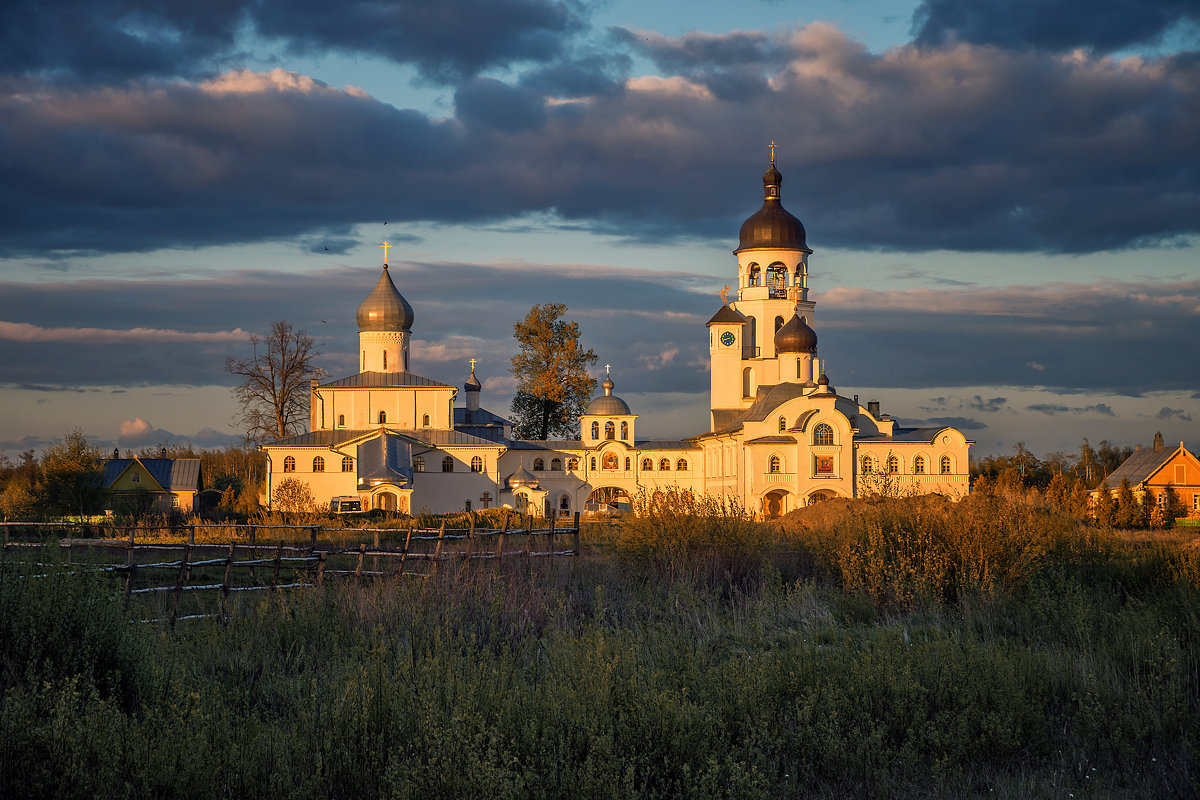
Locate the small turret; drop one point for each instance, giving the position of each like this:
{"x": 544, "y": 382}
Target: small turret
{"x": 471, "y": 390}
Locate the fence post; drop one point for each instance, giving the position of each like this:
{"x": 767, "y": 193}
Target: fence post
{"x": 577, "y": 534}
{"x": 500, "y": 538}
{"x": 470, "y": 535}
{"x": 253, "y": 550}
{"x": 375, "y": 558}
{"x": 362, "y": 551}
{"x": 314, "y": 537}
{"x": 192, "y": 533}
{"x": 228, "y": 579}
{"x": 129, "y": 583}
{"x": 404, "y": 552}
{"x": 183, "y": 569}
{"x": 278, "y": 558}
{"x": 437, "y": 552}
{"x": 320, "y": 569}
{"x": 550, "y": 537}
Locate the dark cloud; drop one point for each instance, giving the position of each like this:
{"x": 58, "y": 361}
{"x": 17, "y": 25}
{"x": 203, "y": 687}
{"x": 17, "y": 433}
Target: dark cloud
{"x": 990, "y": 405}
{"x": 1103, "y": 25}
{"x": 1173, "y": 413}
{"x": 96, "y": 40}
{"x": 962, "y": 423}
{"x": 704, "y": 51}
{"x": 971, "y": 149}
{"x": 1051, "y": 409}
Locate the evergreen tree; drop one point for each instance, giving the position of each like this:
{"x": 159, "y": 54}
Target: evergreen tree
{"x": 1105, "y": 507}
{"x": 1129, "y": 510}
{"x": 553, "y": 385}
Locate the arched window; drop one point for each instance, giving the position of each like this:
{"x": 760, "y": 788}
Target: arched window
{"x": 648, "y": 464}
{"x": 822, "y": 434}
{"x": 595, "y": 430}
{"x": 868, "y": 465}
{"x": 564, "y": 503}
{"x": 556, "y": 465}
{"x": 289, "y": 464}
{"x": 610, "y": 461}
{"x": 385, "y": 360}
{"x": 539, "y": 465}
{"x": 945, "y": 465}
{"x": 893, "y": 465}
{"x": 573, "y": 463}
{"x": 476, "y": 464}
{"x": 777, "y": 279}
{"x": 664, "y": 465}
{"x": 752, "y": 275}
{"x": 447, "y": 464}
{"x": 318, "y": 464}
{"x": 628, "y": 463}
{"x": 382, "y": 417}
{"x": 419, "y": 464}
{"x": 747, "y": 382}
{"x": 610, "y": 430}
{"x": 778, "y": 323}
{"x": 919, "y": 465}
{"x": 341, "y": 420}
{"x": 347, "y": 464}
{"x": 425, "y": 421}
{"x": 624, "y": 431}
{"x": 853, "y": 420}
{"x": 776, "y": 464}
{"x": 681, "y": 465}
{"x": 782, "y": 424}
{"x": 593, "y": 462}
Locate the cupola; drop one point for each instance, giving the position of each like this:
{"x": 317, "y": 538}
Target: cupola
{"x": 385, "y": 309}
{"x": 795, "y": 336}
{"x": 607, "y": 404}
{"x": 772, "y": 226}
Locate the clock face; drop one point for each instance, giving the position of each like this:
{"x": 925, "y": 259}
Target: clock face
{"x": 727, "y": 338}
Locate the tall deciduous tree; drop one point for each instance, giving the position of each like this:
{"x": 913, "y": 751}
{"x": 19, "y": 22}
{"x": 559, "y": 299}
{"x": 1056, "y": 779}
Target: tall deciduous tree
{"x": 71, "y": 475}
{"x": 273, "y": 393}
{"x": 553, "y": 385}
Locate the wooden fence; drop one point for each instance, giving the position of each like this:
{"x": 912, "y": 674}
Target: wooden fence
{"x": 309, "y": 563}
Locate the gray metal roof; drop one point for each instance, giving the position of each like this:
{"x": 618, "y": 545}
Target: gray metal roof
{"x": 173, "y": 474}
{"x": 434, "y": 437}
{"x": 773, "y": 440}
{"x": 727, "y": 314}
{"x": 768, "y": 399}
{"x": 906, "y": 435}
{"x": 385, "y": 380}
{"x": 385, "y": 459}
{"x": 665, "y": 444}
{"x": 1141, "y": 465}
{"x": 463, "y": 416}
{"x": 545, "y": 444}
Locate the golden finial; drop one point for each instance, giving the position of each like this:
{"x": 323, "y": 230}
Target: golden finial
{"x": 772, "y": 146}
{"x": 724, "y": 295}
{"x": 385, "y": 247}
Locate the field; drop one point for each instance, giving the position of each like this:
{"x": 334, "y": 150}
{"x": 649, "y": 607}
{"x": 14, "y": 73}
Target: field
{"x": 900, "y": 648}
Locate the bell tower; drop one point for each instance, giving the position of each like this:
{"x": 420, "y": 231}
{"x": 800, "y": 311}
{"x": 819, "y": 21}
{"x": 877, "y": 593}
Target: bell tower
{"x": 384, "y": 327}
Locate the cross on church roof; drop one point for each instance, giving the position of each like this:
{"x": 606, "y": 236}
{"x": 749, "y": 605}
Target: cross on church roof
{"x": 608, "y": 369}
{"x": 474, "y": 361}
{"x": 385, "y": 247}
{"x": 724, "y": 295}
{"x": 772, "y": 145}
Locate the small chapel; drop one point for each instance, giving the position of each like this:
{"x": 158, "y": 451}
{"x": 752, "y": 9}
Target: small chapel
{"x": 779, "y": 436}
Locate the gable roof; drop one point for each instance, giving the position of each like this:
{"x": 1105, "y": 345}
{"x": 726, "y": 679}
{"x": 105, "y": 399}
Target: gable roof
{"x": 433, "y": 437}
{"x": 386, "y": 380}
{"x": 727, "y": 314}
{"x": 1141, "y": 465}
{"x": 172, "y": 474}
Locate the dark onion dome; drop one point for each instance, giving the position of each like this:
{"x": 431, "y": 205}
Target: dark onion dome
{"x": 522, "y": 478}
{"x": 385, "y": 309}
{"x": 823, "y": 380}
{"x": 472, "y": 384}
{"x": 607, "y": 405}
{"x": 795, "y": 337}
{"x": 772, "y": 226}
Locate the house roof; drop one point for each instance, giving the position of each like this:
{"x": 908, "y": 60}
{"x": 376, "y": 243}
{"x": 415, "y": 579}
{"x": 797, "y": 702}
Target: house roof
{"x": 727, "y": 314}
{"x": 172, "y": 474}
{"x": 385, "y": 459}
{"x": 773, "y": 440}
{"x": 766, "y": 401}
{"x": 386, "y": 380}
{"x": 924, "y": 435}
{"x": 1141, "y": 465}
{"x": 479, "y": 417}
{"x": 433, "y": 437}
{"x": 666, "y": 444}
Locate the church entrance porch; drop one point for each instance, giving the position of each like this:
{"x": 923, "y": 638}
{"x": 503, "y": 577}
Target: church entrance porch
{"x": 774, "y": 504}
{"x": 608, "y": 501}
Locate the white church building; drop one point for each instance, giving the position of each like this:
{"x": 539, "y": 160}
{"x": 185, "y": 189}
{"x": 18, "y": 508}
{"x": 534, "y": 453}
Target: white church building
{"x": 779, "y": 437}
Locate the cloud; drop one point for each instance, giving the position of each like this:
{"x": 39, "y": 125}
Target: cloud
{"x": 1173, "y": 413}
{"x": 137, "y": 433}
{"x": 25, "y": 332}
{"x": 88, "y": 39}
{"x": 1103, "y": 25}
{"x": 1051, "y": 409}
{"x": 991, "y": 405}
{"x": 964, "y": 147}
{"x": 962, "y": 423}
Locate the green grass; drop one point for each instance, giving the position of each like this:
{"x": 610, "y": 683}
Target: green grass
{"x": 693, "y": 671}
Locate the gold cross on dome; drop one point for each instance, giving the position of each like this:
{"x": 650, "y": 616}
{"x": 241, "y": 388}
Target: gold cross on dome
{"x": 608, "y": 369}
{"x": 724, "y": 294}
{"x": 474, "y": 361}
{"x": 772, "y": 145}
{"x": 385, "y": 247}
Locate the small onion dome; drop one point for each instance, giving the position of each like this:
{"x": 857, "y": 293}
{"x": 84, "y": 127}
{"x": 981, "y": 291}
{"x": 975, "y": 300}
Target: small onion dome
{"x": 608, "y": 404}
{"x": 772, "y": 226}
{"x": 823, "y": 380}
{"x": 795, "y": 337}
{"x": 522, "y": 478}
{"x": 385, "y": 309}
{"x": 472, "y": 384}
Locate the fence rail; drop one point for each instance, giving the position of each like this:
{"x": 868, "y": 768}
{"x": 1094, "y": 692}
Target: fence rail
{"x": 309, "y": 561}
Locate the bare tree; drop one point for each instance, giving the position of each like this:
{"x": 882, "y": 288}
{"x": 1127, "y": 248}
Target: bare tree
{"x": 274, "y": 388}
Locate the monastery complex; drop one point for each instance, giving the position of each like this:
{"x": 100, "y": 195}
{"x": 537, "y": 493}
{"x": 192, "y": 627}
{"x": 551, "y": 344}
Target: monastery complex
{"x": 779, "y": 435}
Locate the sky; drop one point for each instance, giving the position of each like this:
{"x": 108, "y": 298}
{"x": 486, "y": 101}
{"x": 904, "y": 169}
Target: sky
{"x": 1003, "y": 199}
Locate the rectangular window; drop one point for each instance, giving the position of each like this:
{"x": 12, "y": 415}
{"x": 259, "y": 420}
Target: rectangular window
{"x": 1196, "y": 502}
